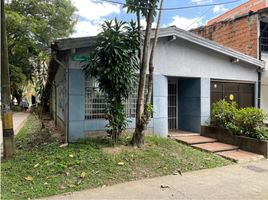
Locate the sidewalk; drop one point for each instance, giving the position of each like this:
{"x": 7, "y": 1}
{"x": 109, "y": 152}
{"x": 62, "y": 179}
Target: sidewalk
{"x": 19, "y": 119}
{"x": 239, "y": 181}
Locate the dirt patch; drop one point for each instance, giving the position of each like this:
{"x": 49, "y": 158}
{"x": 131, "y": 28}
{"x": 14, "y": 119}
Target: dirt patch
{"x": 119, "y": 149}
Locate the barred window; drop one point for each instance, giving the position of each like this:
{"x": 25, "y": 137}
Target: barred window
{"x": 95, "y": 103}
{"x": 264, "y": 36}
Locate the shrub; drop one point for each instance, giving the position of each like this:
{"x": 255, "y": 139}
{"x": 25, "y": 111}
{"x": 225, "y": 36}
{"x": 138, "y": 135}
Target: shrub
{"x": 244, "y": 121}
{"x": 223, "y": 113}
{"x": 248, "y": 119}
{"x": 262, "y": 133}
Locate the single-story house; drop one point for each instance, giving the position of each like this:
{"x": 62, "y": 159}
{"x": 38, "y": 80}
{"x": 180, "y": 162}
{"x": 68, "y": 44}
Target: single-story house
{"x": 190, "y": 74}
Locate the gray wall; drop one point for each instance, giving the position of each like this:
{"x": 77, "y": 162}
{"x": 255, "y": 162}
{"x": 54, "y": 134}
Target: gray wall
{"x": 184, "y": 59}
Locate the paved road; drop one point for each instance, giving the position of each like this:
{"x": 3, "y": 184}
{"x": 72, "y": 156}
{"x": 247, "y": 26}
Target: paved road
{"x": 239, "y": 181}
{"x": 18, "y": 120}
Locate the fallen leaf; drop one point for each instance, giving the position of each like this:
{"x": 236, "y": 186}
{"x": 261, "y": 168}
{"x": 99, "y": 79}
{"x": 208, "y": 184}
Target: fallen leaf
{"x": 64, "y": 145}
{"x": 83, "y": 174}
{"x": 121, "y": 163}
{"x": 28, "y": 178}
{"x": 62, "y": 187}
{"x": 36, "y": 165}
{"x": 79, "y": 180}
{"x": 71, "y": 186}
{"x": 164, "y": 186}
{"x": 180, "y": 172}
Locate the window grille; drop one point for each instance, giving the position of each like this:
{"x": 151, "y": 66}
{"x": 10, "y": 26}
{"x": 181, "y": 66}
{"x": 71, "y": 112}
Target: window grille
{"x": 95, "y": 102}
{"x": 264, "y": 36}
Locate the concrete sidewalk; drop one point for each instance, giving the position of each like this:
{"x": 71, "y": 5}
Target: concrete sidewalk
{"x": 239, "y": 181}
{"x": 19, "y": 118}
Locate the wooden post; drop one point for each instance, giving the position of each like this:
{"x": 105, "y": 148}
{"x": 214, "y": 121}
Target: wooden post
{"x": 7, "y": 118}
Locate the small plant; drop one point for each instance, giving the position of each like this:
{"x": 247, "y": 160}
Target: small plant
{"x": 223, "y": 113}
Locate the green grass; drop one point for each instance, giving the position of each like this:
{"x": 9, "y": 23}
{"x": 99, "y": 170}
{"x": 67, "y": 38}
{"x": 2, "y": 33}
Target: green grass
{"x": 58, "y": 170}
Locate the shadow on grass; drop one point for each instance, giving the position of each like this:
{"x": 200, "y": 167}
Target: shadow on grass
{"x": 105, "y": 141}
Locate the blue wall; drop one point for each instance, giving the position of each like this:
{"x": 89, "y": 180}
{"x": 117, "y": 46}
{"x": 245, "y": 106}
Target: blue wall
{"x": 160, "y": 105}
{"x": 80, "y": 128}
{"x": 189, "y": 104}
{"x": 194, "y": 103}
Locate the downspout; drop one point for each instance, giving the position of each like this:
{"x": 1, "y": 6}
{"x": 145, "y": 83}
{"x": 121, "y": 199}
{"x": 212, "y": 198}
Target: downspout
{"x": 259, "y": 70}
{"x": 67, "y": 93}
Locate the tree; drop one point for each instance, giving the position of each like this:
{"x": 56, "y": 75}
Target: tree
{"x": 144, "y": 107}
{"x": 7, "y": 119}
{"x": 31, "y": 26}
{"x": 113, "y": 63}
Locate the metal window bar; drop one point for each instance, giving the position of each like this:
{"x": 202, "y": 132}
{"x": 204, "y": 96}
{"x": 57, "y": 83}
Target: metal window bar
{"x": 95, "y": 102}
{"x": 264, "y": 36}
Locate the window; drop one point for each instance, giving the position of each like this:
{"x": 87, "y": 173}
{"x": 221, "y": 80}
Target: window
{"x": 264, "y": 36}
{"x": 95, "y": 103}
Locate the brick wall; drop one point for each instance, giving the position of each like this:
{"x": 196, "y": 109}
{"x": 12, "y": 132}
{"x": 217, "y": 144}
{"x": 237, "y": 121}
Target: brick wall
{"x": 239, "y": 34}
{"x": 252, "y": 5}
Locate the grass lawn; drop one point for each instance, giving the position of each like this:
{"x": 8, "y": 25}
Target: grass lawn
{"x": 42, "y": 168}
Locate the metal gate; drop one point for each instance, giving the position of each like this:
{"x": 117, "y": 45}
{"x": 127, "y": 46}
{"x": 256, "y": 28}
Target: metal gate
{"x": 172, "y": 106}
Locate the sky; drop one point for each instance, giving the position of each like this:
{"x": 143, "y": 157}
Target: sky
{"x": 92, "y": 13}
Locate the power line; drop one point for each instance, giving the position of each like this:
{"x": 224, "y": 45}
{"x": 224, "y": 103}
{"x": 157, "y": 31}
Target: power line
{"x": 173, "y": 8}
{"x": 200, "y": 17}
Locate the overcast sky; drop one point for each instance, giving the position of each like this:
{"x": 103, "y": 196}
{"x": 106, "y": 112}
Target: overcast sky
{"x": 93, "y": 12}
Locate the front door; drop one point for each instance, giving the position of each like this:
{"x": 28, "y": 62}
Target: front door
{"x": 172, "y": 105}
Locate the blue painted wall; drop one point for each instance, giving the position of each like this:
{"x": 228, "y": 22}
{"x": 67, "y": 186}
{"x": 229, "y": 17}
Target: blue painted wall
{"x": 160, "y": 105}
{"x": 79, "y": 127}
{"x": 76, "y": 104}
{"x": 194, "y": 103}
{"x": 189, "y": 104}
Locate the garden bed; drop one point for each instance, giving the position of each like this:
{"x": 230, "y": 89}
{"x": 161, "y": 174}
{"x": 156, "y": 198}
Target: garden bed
{"x": 244, "y": 143}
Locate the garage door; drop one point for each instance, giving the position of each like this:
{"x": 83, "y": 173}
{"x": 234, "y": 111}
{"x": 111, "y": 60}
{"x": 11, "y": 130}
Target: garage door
{"x": 242, "y": 93}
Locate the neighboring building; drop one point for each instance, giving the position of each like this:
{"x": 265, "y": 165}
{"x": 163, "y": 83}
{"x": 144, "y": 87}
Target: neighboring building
{"x": 245, "y": 29}
{"x": 190, "y": 74}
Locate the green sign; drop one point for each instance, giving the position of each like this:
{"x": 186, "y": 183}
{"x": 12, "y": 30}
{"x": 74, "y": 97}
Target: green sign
{"x": 79, "y": 58}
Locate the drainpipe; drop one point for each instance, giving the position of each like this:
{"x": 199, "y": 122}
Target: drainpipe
{"x": 259, "y": 70}
{"x": 67, "y": 93}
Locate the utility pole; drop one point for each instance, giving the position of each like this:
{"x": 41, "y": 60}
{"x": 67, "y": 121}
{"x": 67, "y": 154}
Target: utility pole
{"x": 7, "y": 118}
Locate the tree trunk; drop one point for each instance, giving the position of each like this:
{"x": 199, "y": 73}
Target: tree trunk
{"x": 143, "y": 118}
{"x": 7, "y": 118}
{"x": 151, "y": 65}
{"x": 138, "y": 136}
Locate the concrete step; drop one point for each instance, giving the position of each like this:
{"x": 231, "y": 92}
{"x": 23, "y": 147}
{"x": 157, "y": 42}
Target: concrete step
{"x": 194, "y": 139}
{"x": 215, "y": 147}
{"x": 182, "y": 134}
{"x": 240, "y": 156}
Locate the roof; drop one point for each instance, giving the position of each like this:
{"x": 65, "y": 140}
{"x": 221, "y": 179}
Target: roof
{"x": 249, "y": 6}
{"x": 83, "y": 42}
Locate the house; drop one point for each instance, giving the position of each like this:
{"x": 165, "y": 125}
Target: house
{"x": 191, "y": 73}
{"x": 245, "y": 29}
